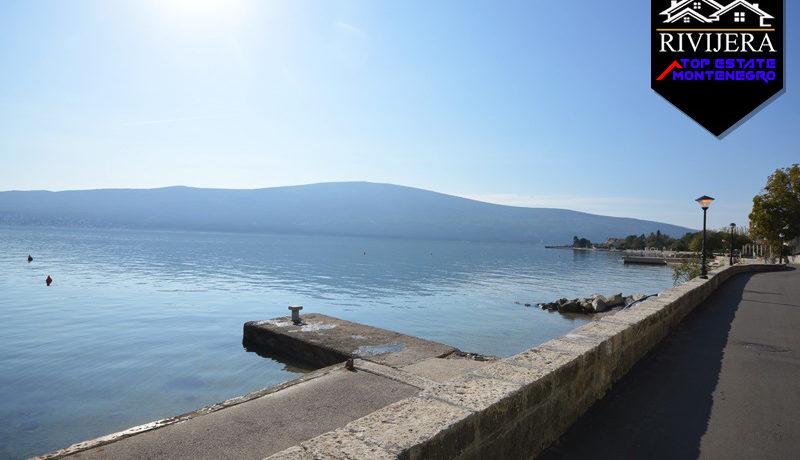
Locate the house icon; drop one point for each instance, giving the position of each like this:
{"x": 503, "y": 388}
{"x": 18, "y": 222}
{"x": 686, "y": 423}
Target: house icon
{"x": 739, "y": 13}
{"x": 691, "y": 11}
{"x": 743, "y": 13}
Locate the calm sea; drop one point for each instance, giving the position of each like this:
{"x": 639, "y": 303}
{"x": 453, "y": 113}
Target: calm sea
{"x": 141, "y": 325}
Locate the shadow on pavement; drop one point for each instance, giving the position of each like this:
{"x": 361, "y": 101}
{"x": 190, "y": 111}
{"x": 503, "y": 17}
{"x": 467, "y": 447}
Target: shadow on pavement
{"x": 661, "y": 408}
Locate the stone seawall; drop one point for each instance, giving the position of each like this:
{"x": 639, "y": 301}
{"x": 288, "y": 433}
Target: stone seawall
{"x": 516, "y": 407}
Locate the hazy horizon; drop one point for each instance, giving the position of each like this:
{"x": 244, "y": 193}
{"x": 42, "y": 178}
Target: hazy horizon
{"x": 478, "y": 199}
{"x": 337, "y": 208}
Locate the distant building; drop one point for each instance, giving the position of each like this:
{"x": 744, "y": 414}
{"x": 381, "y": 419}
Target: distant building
{"x": 613, "y": 241}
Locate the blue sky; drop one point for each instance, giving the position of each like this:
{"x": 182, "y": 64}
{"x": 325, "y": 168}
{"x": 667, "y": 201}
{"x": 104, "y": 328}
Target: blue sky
{"x": 529, "y": 103}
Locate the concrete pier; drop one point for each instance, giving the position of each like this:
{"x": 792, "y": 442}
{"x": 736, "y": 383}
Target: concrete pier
{"x": 323, "y": 340}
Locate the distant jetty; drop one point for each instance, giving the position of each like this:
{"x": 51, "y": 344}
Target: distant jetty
{"x": 641, "y": 257}
{"x": 643, "y": 260}
{"x": 583, "y": 249}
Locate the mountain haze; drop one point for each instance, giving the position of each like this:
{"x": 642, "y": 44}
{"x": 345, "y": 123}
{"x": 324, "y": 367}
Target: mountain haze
{"x": 342, "y": 208}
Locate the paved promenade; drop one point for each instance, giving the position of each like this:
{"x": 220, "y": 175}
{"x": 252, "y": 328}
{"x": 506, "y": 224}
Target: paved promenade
{"x": 725, "y": 384}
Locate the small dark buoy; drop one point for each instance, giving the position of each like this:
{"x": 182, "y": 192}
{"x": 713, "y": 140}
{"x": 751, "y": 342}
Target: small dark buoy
{"x": 527, "y": 305}
{"x": 30, "y": 259}
{"x": 48, "y": 280}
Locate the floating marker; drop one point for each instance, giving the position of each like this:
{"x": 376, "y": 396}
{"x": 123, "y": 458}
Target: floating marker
{"x": 48, "y": 280}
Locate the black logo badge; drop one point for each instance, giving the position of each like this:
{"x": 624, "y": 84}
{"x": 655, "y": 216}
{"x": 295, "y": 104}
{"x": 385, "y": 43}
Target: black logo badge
{"x": 717, "y": 61}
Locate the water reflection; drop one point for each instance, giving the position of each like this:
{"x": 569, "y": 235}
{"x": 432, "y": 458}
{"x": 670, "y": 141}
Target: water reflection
{"x": 290, "y": 363}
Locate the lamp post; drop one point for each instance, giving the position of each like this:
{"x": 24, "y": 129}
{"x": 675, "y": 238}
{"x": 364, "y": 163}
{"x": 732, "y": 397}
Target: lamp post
{"x": 705, "y": 202}
{"x": 780, "y": 251}
{"x": 733, "y": 229}
{"x": 783, "y": 242}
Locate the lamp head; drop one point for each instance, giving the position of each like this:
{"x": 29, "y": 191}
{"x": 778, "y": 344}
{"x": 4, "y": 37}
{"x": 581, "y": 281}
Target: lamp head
{"x": 705, "y": 201}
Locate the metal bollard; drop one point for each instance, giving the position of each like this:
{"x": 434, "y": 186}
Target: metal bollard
{"x": 296, "y": 313}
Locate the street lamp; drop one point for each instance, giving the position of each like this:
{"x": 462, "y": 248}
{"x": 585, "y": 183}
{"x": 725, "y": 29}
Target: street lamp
{"x": 733, "y": 228}
{"x": 780, "y": 251}
{"x": 705, "y": 202}
{"x": 783, "y": 235}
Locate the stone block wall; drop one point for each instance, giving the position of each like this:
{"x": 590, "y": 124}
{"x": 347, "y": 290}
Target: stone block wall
{"x": 518, "y": 406}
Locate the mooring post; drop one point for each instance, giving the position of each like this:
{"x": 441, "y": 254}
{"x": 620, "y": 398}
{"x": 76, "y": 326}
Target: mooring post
{"x": 296, "y": 313}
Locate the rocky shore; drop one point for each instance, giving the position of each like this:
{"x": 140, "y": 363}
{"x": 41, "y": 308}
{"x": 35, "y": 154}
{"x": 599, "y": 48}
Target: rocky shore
{"x": 595, "y": 303}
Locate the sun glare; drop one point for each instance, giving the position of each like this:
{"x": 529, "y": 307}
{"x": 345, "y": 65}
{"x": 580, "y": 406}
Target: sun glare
{"x": 202, "y": 10}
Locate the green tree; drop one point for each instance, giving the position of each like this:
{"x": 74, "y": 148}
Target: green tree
{"x": 683, "y": 243}
{"x": 776, "y": 209}
{"x": 740, "y": 238}
{"x": 713, "y": 242}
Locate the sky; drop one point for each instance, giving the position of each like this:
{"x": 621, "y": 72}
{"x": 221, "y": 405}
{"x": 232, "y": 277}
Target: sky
{"x": 529, "y": 103}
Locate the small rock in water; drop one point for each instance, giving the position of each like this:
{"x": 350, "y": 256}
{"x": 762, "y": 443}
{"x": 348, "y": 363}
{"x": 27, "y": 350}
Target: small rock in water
{"x": 599, "y": 304}
{"x": 571, "y": 306}
{"x": 614, "y": 300}
{"x": 594, "y": 303}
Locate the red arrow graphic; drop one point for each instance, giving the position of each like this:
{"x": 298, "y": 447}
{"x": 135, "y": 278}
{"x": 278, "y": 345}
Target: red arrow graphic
{"x": 669, "y": 69}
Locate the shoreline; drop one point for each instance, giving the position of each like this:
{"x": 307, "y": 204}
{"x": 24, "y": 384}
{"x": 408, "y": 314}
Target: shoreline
{"x": 583, "y": 249}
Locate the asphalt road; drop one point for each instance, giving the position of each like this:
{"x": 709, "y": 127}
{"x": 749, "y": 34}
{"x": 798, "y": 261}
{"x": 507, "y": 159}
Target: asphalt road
{"x": 724, "y": 385}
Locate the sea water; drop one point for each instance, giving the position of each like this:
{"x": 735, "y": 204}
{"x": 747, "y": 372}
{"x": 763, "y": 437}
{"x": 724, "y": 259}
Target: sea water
{"x": 142, "y": 325}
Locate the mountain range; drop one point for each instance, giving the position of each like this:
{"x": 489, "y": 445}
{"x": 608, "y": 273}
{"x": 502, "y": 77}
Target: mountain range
{"x": 340, "y": 208}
